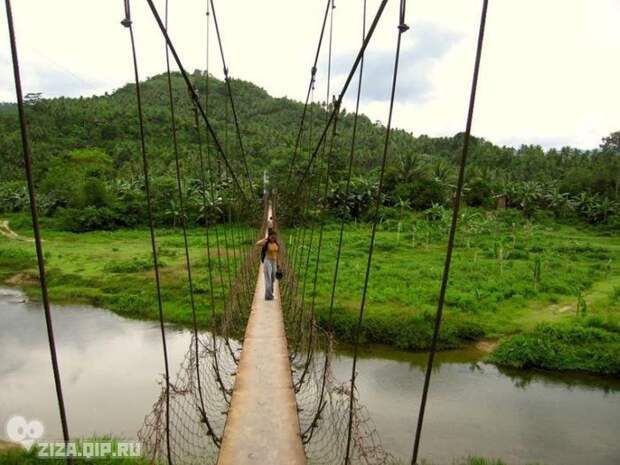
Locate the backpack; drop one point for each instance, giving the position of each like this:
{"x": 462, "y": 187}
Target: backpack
{"x": 263, "y": 252}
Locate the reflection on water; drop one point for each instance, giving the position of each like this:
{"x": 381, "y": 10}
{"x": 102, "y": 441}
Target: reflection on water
{"x": 110, "y": 367}
{"x": 476, "y": 409}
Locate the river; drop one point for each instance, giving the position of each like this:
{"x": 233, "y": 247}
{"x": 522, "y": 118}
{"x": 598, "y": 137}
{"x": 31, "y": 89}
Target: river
{"x": 110, "y": 368}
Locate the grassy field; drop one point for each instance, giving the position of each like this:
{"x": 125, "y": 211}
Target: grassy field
{"x": 19, "y": 456}
{"x": 114, "y": 269}
{"x": 509, "y": 276}
{"x": 550, "y": 293}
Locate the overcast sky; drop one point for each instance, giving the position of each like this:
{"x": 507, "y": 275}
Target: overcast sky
{"x": 549, "y": 76}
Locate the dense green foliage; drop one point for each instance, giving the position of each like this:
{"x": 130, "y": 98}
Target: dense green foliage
{"x": 591, "y": 345}
{"x": 88, "y": 168}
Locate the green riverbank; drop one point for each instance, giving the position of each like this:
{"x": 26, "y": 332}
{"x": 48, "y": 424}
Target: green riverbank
{"x": 114, "y": 270}
{"x": 555, "y": 285}
{"x": 549, "y": 293}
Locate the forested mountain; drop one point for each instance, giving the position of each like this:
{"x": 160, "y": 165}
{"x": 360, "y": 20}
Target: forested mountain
{"x": 86, "y": 154}
{"x": 269, "y": 126}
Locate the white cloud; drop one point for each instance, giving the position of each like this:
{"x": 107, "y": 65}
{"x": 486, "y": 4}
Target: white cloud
{"x": 549, "y": 72}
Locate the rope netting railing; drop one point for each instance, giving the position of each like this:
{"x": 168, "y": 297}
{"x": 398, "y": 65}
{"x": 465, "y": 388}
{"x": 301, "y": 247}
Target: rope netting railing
{"x": 187, "y": 421}
{"x": 335, "y": 427}
{"x": 186, "y": 424}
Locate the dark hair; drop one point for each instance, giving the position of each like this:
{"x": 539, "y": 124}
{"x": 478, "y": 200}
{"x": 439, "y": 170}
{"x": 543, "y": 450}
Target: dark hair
{"x": 270, "y": 238}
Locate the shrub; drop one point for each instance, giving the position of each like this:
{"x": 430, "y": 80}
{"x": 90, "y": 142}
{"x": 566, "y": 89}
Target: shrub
{"x": 134, "y": 265}
{"x": 479, "y": 193}
{"x": 13, "y": 197}
{"x": 563, "y": 347}
{"x": 90, "y": 219}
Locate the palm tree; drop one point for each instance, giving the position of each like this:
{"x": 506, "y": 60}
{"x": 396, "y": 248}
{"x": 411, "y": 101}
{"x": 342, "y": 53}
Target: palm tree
{"x": 402, "y": 204}
{"x": 174, "y": 212}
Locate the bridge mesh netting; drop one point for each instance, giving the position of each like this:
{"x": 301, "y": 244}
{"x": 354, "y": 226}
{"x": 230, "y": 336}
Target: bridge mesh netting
{"x": 198, "y": 416}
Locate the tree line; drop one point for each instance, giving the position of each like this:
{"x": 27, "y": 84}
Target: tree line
{"x": 88, "y": 171}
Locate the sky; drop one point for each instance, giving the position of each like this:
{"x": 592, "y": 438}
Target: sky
{"x": 549, "y": 72}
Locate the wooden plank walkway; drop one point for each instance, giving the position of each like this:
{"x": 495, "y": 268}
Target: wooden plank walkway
{"x": 263, "y": 426}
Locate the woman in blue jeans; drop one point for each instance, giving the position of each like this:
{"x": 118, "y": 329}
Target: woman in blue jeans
{"x": 269, "y": 256}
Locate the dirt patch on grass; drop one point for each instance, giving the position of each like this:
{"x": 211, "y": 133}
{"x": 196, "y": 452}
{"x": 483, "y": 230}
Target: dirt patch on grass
{"x": 6, "y": 445}
{"x": 487, "y": 346}
{"x": 6, "y": 231}
{"x": 24, "y": 278}
{"x": 566, "y": 309}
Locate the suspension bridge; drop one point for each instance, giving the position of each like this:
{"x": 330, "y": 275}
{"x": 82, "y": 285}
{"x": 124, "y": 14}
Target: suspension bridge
{"x": 258, "y": 387}
{"x": 262, "y": 424}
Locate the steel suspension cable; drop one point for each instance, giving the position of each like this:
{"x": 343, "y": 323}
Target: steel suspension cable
{"x": 232, "y": 100}
{"x": 303, "y": 274}
{"x": 306, "y": 201}
{"x": 236, "y": 263}
{"x": 338, "y": 102}
{"x": 300, "y": 245}
{"x": 348, "y": 182}
{"x": 402, "y": 28}
{"x": 27, "y": 152}
{"x": 210, "y": 169}
{"x": 241, "y": 270}
{"x": 127, "y": 22}
{"x": 312, "y": 319}
{"x": 220, "y": 262}
{"x": 203, "y": 190}
{"x": 195, "y": 98}
{"x": 452, "y": 234}
{"x": 228, "y": 302}
{"x": 329, "y": 11}
{"x": 226, "y": 215}
{"x": 188, "y": 264}
{"x": 316, "y": 191}
{"x": 322, "y": 196}
{"x": 297, "y": 255}
{"x": 300, "y": 308}
{"x": 342, "y": 221}
{"x": 308, "y": 93}
{"x": 329, "y": 157}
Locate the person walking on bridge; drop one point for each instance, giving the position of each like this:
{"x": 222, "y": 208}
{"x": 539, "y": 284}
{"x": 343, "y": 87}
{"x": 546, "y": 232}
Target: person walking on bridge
{"x": 269, "y": 257}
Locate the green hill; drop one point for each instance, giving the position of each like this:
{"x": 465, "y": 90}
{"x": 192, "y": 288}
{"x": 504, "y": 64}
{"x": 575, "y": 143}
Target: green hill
{"x": 86, "y": 145}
